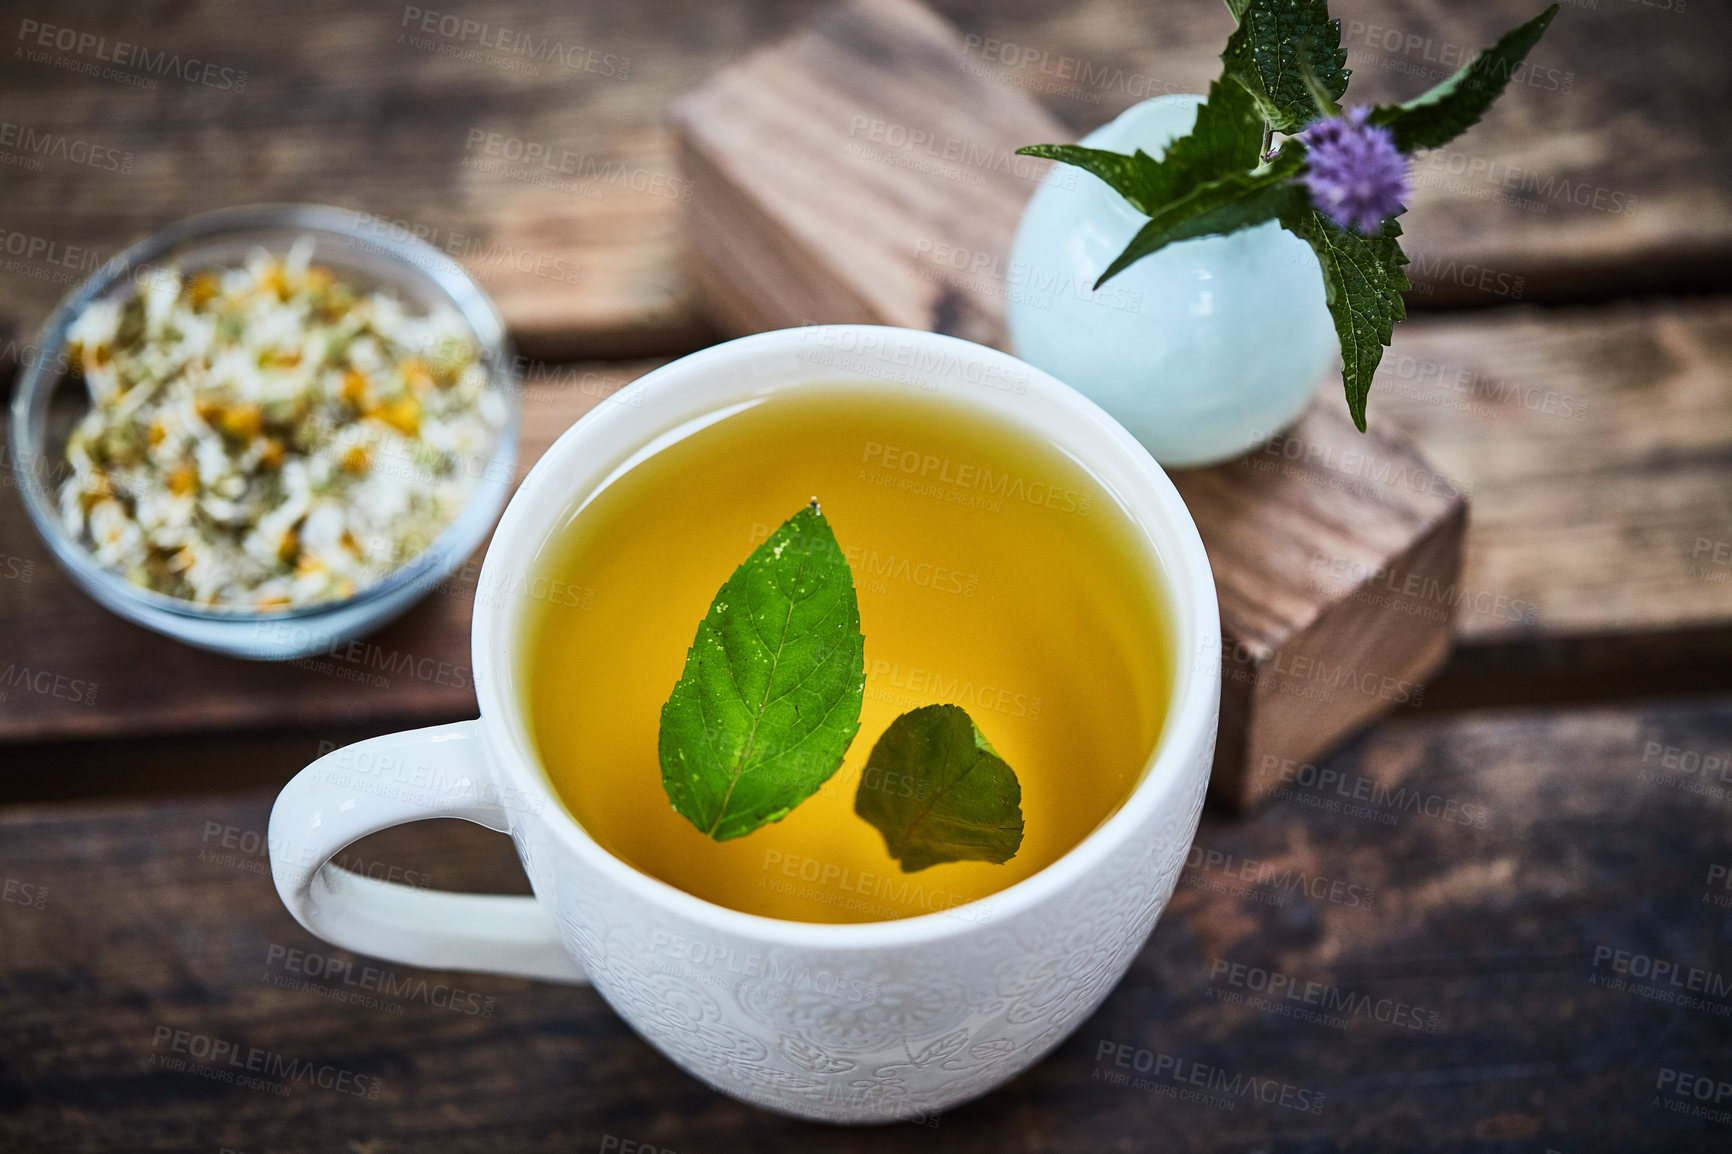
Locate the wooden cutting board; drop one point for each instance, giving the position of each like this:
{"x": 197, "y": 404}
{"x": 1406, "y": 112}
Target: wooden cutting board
{"x": 834, "y": 177}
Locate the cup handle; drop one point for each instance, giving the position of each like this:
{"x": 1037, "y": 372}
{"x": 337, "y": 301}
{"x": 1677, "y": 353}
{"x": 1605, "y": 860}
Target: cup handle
{"x": 329, "y": 805}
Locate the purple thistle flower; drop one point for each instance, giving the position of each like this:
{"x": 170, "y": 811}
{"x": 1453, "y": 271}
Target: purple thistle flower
{"x": 1354, "y": 173}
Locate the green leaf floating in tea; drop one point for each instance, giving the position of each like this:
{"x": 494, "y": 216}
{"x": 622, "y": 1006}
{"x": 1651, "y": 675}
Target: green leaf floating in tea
{"x": 770, "y": 700}
{"x": 770, "y": 696}
{"x": 938, "y": 792}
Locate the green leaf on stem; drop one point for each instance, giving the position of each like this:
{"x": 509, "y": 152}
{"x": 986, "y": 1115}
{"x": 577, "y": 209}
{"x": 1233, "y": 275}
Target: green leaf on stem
{"x": 1270, "y": 49}
{"x": 1235, "y": 201}
{"x": 1226, "y": 138}
{"x": 1363, "y": 281}
{"x": 1137, "y": 177}
{"x": 1455, "y": 105}
{"x": 1321, "y": 101}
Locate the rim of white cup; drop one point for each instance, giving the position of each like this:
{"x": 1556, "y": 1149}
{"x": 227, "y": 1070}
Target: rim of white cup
{"x": 545, "y": 496}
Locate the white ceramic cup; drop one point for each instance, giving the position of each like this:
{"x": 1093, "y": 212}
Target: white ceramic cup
{"x": 844, "y": 1023}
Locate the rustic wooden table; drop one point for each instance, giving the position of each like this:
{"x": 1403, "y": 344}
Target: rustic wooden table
{"x": 1519, "y": 938}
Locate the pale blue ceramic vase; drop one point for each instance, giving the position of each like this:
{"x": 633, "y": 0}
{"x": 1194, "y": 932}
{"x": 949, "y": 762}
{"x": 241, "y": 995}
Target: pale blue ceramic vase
{"x": 1203, "y": 350}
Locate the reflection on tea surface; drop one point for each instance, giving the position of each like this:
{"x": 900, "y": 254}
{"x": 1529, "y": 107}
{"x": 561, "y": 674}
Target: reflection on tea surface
{"x": 992, "y": 572}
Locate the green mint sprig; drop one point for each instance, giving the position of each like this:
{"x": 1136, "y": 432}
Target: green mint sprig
{"x": 1337, "y": 182}
{"x": 769, "y": 702}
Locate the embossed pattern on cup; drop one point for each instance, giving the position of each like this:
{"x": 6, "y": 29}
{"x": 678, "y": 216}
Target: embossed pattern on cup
{"x": 864, "y": 1022}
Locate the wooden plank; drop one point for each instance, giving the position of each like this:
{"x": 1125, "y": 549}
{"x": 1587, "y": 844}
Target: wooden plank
{"x": 834, "y": 175}
{"x": 1597, "y": 444}
{"x": 1306, "y": 657}
{"x": 526, "y": 143}
{"x": 71, "y": 669}
{"x": 1594, "y": 443}
{"x": 359, "y": 106}
{"x": 1464, "y": 932}
{"x": 1296, "y": 665}
{"x": 824, "y": 168}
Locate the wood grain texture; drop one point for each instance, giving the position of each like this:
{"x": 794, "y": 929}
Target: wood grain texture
{"x": 1596, "y": 445}
{"x": 1307, "y": 657}
{"x": 69, "y": 669}
{"x": 578, "y": 239}
{"x": 825, "y": 167}
{"x": 531, "y": 148}
{"x": 1460, "y": 932}
{"x": 1302, "y": 535}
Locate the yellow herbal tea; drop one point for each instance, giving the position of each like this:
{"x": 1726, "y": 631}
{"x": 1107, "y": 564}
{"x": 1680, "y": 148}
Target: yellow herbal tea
{"x": 992, "y": 572}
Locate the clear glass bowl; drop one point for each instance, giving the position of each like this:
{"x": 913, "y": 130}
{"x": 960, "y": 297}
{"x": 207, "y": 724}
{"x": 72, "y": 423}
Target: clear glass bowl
{"x": 364, "y": 250}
